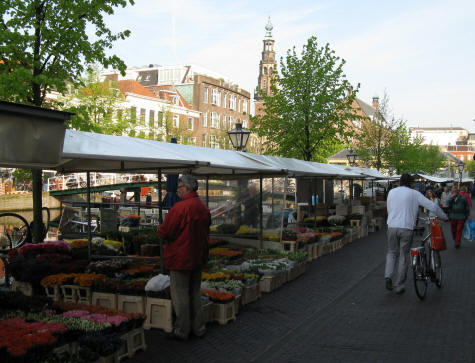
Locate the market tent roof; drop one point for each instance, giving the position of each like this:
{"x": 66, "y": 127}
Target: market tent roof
{"x": 362, "y": 172}
{"x": 435, "y": 179}
{"x": 296, "y": 167}
{"x": 85, "y": 151}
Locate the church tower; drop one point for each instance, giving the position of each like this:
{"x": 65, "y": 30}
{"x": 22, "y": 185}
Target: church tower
{"x": 267, "y": 65}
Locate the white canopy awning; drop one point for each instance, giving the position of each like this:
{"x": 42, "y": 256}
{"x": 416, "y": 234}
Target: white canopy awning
{"x": 435, "y": 179}
{"x": 362, "y": 172}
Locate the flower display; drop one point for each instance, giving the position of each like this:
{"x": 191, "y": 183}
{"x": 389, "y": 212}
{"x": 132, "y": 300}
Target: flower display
{"x": 107, "y": 267}
{"x": 84, "y": 280}
{"x": 224, "y": 252}
{"x": 214, "y": 276}
{"x": 31, "y": 250}
{"x": 139, "y": 270}
{"x": 219, "y": 297}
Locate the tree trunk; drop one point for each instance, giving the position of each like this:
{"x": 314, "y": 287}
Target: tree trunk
{"x": 37, "y": 206}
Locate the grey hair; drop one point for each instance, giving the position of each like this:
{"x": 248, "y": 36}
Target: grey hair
{"x": 189, "y": 181}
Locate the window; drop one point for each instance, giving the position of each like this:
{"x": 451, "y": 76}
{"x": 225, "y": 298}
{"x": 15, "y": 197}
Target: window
{"x": 232, "y": 102}
{"x": 239, "y": 105}
{"x": 133, "y": 114}
{"x": 190, "y": 123}
{"x": 142, "y": 116}
{"x": 151, "y": 135}
{"x": 192, "y": 140}
{"x": 244, "y": 106}
{"x": 216, "y": 97}
{"x": 204, "y": 140}
{"x": 215, "y": 120}
{"x": 205, "y": 119}
{"x": 224, "y": 100}
{"x": 151, "y": 119}
{"x": 205, "y": 95}
{"x": 244, "y": 124}
{"x": 176, "y": 121}
{"x": 160, "y": 118}
{"x": 213, "y": 142}
{"x": 231, "y": 122}
{"x": 224, "y": 122}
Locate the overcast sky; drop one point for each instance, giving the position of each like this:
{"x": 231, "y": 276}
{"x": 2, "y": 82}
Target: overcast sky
{"x": 422, "y": 52}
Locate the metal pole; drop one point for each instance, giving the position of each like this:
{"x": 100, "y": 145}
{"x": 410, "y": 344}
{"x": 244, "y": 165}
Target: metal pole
{"x": 207, "y": 191}
{"x": 89, "y": 234}
{"x": 283, "y": 208}
{"x": 261, "y": 224}
{"x": 160, "y": 216}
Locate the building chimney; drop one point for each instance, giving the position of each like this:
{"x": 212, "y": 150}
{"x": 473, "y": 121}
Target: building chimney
{"x": 376, "y": 102}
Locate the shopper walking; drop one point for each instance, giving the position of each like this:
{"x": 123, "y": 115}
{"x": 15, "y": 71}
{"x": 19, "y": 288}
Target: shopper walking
{"x": 444, "y": 199}
{"x": 459, "y": 211}
{"x": 186, "y": 231}
{"x": 463, "y": 191}
{"x": 403, "y": 204}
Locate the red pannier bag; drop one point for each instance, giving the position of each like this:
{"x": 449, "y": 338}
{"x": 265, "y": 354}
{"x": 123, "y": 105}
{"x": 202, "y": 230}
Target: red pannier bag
{"x": 437, "y": 236}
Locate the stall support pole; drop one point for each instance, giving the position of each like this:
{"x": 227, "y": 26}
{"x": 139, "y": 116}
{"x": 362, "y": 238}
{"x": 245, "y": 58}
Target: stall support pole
{"x": 160, "y": 216}
{"x": 272, "y": 200}
{"x": 207, "y": 191}
{"x": 261, "y": 224}
{"x": 89, "y": 234}
{"x": 282, "y": 212}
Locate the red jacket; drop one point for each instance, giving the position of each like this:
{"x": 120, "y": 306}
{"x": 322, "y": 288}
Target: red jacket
{"x": 186, "y": 232}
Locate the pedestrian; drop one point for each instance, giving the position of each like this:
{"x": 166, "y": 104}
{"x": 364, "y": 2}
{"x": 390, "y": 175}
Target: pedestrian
{"x": 459, "y": 211}
{"x": 444, "y": 199}
{"x": 186, "y": 231}
{"x": 402, "y": 205}
{"x": 472, "y": 191}
{"x": 463, "y": 191}
{"x": 432, "y": 197}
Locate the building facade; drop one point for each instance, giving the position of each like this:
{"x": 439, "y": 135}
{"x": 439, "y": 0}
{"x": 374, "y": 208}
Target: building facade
{"x": 220, "y": 103}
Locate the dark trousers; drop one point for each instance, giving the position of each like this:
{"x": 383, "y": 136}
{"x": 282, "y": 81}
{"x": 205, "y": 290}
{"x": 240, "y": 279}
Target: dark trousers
{"x": 456, "y": 226}
{"x": 186, "y": 300}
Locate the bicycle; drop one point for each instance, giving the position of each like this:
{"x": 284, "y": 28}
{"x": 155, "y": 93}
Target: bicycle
{"x": 424, "y": 268}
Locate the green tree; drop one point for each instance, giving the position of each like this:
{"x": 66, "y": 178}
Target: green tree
{"x": 98, "y": 106}
{"x": 44, "y": 45}
{"x": 310, "y": 104}
{"x": 470, "y": 167}
{"x": 372, "y": 139}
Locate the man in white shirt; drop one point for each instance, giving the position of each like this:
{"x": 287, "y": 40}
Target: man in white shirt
{"x": 403, "y": 205}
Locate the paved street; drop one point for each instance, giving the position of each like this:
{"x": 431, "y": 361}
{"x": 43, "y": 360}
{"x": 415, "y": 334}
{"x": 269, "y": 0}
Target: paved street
{"x": 339, "y": 311}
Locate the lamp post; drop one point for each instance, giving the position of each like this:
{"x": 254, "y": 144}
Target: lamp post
{"x": 391, "y": 169}
{"x": 460, "y": 166}
{"x": 351, "y": 156}
{"x": 238, "y": 137}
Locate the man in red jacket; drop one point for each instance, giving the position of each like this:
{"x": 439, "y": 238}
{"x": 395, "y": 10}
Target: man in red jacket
{"x": 186, "y": 231}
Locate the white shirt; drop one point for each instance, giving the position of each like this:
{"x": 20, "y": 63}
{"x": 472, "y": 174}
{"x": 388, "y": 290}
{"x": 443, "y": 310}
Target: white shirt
{"x": 403, "y": 204}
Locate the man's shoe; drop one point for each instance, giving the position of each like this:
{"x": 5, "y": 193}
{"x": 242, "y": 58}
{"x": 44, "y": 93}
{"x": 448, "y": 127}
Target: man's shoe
{"x": 400, "y": 291}
{"x": 389, "y": 284}
{"x": 173, "y": 336}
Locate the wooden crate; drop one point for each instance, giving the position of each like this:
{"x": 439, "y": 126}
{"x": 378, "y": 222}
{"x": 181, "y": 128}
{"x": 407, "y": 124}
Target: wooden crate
{"x": 309, "y": 249}
{"x": 135, "y": 341}
{"x": 69, "y": 293}
{"x": 224, "y": 313}
{"x": 159, "y": 314}
{"x": 315, "y": 251}
{"x": 106, "y": 300}
{"x": 289, "y": 246}
{"x": 250, "y": 294}
{"x": 53, "y": 292}
{"x": 131, "y": 304}
{"x": 24, "y": 287}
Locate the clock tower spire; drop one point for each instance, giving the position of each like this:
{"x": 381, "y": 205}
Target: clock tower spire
{"x": 267, "y": 65}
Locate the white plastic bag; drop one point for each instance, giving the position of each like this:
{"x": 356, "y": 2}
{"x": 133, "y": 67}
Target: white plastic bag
{"x": 158, "y": 283}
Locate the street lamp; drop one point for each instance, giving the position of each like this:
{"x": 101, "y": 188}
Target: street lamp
{"x": 391, "y": 169}
{"x": 460, "y": 166}
{"x": 239, "y": 137}
{"x": 351, "y": 156}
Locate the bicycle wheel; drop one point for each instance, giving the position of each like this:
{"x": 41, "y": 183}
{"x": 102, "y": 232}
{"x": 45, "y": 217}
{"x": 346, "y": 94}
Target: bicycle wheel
{"x": 15, "y": 231}
{"x": 437, "y": 268}
{"x": 420, "y": 278}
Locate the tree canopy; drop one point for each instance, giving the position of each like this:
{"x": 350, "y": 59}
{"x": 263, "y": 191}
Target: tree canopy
{"x": 310, "y": 105}
{"x": 45, "y": 45}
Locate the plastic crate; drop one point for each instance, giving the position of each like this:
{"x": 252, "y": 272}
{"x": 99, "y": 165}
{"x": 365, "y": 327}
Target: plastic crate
{"x": 296, "y": 270}
{"x": 69, "y": 293}
{"x": 237, "y": 301}
{"x": 131, "y": 304}
{"x": 106, "y": 300}
{"x": 159, "y": 314}
{"x": 270, "y": 283}
{"x": 53, "y": 292}
{"x": 224, "y": 313}
{"x": 135, "y": 341}
{"x": 84, "y": 295}
{"x": 208, "y": 312}
{"x": 24, "y": 287}
{"x": 250, "y": 294}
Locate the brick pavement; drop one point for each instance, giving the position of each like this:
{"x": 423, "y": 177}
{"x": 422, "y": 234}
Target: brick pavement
{"x": 339, "y": 311}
